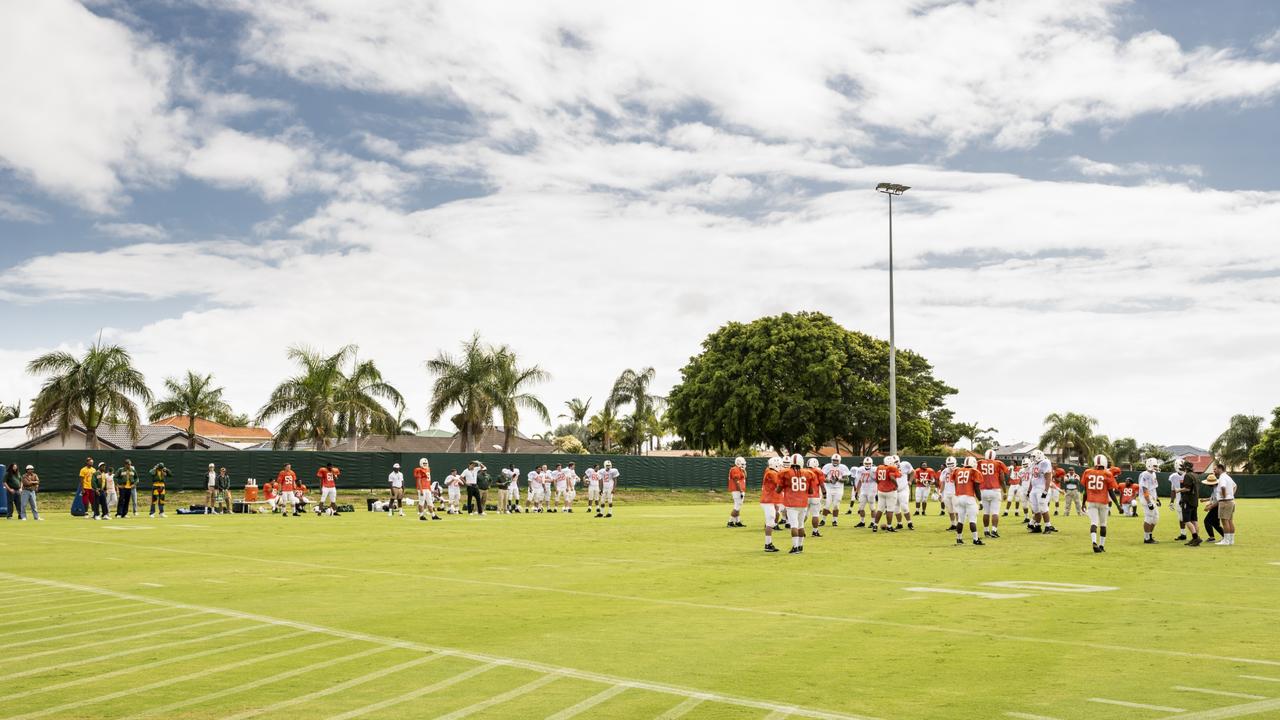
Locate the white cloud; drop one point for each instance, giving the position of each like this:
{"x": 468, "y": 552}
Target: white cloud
{"x": 132, "y": 231}
{"x": 1097, "y": 169}
{"x": 234, "y": 159}
{"x": 1270, "y": 43}
{"x": 11, "y": 209}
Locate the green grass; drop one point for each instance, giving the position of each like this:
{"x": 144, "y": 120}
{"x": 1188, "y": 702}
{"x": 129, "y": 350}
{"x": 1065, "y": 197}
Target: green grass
{"x": 527, "y": 616}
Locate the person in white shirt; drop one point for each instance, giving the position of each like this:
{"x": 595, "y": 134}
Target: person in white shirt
{"x": 864, "y": 482}
{"x": 593, "y": 488}
{"x": 906, "y": 470}
{"x": 1038, "y": 493}
{"x": 570, "y": 476}
{"x": 453, "y": 483}
{"x": 948, "y": 490}
{"x": 608, "y": 481}
{"x": 1224, "y": 496}
{"x": 836, "y": 473}
{"x": 556, "y": 487}
{"x": 1148, "y": 485}
{"x": 1175, "y": 502}
{"x": 814, "y": 509}
{"x": 504, "y": 491}
{"x": 211, "y": 488}
{"x": 471, "y": 481}
{"x": 513, "y": 490}
{"x": 395, "y": 479}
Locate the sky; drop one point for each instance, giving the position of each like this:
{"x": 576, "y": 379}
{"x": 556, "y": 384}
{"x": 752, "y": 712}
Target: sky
{"x": 1092, "y": 223}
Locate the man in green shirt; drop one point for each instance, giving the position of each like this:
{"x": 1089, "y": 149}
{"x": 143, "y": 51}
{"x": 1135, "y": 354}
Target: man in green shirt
{"x": 99, "y": 483}
{"x": 159, "y": 474}
{"x": 126, "y": 478}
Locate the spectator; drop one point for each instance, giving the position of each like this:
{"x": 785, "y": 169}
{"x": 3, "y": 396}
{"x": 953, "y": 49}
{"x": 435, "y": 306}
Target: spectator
{"x": 470, "y": 479}
{"x": 87, "y": 474}
{"x": 109, "y": 487}
{"x": 1225, "y": 494}
{"x": 1211, "y": 523}
{"x": 126, "y": 478}
{"x": 99, "y": 494}
{"x": 210, "y": 489}
{"x": 223, "y": 498}
{"x": 13, "y": 486}
{"x": 30, "y": 487}
{"x": 1188, "y": 499}
{"x": 483, "y": 482}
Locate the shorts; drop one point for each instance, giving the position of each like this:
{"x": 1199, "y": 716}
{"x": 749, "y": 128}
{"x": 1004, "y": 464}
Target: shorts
{"x": 426, "y": 499}
{"x": 737, "y": 499}
{"x": 922, "y": 494}
{"x": 1226, "y": 510}
{"x": 606, "y": 494}
{"x": 1151, "y": 514}
{"x": 1054, "y": 494}
{"x": 593, "y": 492}
{"x": 1190, "y": 514}
{"x": 815, "y": 506}
{"x": 835, "y": 494}
{"x": 795, "y": 517}
{"x": 904, "y": 499}
{"x": 867, "y": 494}
{"x": 1018, "y": 492}
{"x": 157, "y": 492}
{"x": 887, "y": 501}
{"x": 770, "y": 513}
{"x": 330, "y": 494}
{"x": 561, "y": 488}
{"x": 949, "y": 500}
{"x": 397, "y": 492}
{"x": 1039, "y": 501}
{"x": 287, "y": 498}
{"x": 570, "y": 493}
{"x": 990, "y": 502}
{"x": 513, "y": 493}
{"x": 455, "y": 493}
{"x": 966, "y": 508}
{"x": 1097, "y": 513}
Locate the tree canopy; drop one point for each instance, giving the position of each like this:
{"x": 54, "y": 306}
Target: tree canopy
{"x": 1264, "y": 457}
{"x": 1235, "y": 443}
{"x": 793, "y": 381}
{"x": 98, "y": 387}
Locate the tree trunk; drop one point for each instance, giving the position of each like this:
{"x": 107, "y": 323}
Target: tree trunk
{"x": 506, "y": 440}
{"x": 354, "y": 436}
{"x": 191, "y": 432}
{"x": 91, "y": 435}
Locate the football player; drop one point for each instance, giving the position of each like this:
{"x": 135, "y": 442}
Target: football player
{"x": 570, "y": 486}
{"x": 1175, "y": 489}
{"x": 905, "y": 471}
{"x": 737, "y": 490}
{"x": 608, "y": 480}
{"x": 793, "y": 483}
{"x": 769, "y": 500}
{"x": 864, "y": 480}
{"x": 947, "y": 490}
{"x": 886, "y": 494}
{"x": 993, "y": 472}
{"x": 593, "y": 488}
{"x": 453, "y": 485}
{"x": 836, "y": 474}
{"x": 1148, "y": 485}
{"x": 814, "y": 510}
{"x": 1038, "y": 490}
{"x": 923, "y": 486}
{"x": 422, "y": 481}
{"x": 1099, "y": 493}
{"x": 966, "y": 480}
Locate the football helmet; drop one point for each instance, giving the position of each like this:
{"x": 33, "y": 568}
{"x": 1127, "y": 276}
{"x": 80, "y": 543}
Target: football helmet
{"x": 608, "y": 464}
{"x": 990, "y": 454}
{"x": 1100, "y": 461}
{"x": 971, "y": 462}
{"x": 775, "y": 463}
{"x": 797, "y": 460}
{"x": 813, "y": 462}
{"x": 740, "y": 462}
{"x": 835, "y": 459}
{"x": 422, "y": 462}
{"x": 1037, "y": 455}
{"x": 1153, "y": 464}
{"x": 867, "y": 462}
{"x": 951, "y": 462}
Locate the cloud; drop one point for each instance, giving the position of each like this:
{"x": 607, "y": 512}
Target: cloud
{"x": 1096, "y": 169}
{"x": 132, "y": 231}
{"x": 1270, "y": 43}
{"x": 11, "y": 209}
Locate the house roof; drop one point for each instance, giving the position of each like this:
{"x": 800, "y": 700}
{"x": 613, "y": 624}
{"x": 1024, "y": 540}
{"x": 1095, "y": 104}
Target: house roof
{"x": 414, "y": 443}
{"x": 1184, "y": 450}
{"x": 1018, "y": 448}
{"x": 211, "y": 429}
{"x": 15, "y": 434}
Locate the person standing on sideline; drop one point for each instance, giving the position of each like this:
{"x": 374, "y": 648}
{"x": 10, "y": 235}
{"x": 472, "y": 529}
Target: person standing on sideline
{"x": 328, "y": 476}
{"x": 222, "y": 501}
{"x": 395, "y": 480}
{"x": 87, "y": 473}
{"x": 109, "y": 486}
{"x": 1099, "y": 492}
{"x": 426, "y": 494}
{"x": 159, "y": 476}
{"x": 608, "y": 481}
{"x": 1148, "y": 485}
{"x": 126, "y": 479}
{"x": 503, "y": 506}
{"x": 210, "y": 488}
{"x": 737, "y": 490}
{"x": 99, "y": 494}
{"x": 13, "y": 486}
{"x": 1225, "y": 499}
{"x": 471, "y": 480}
{"x": 1175, "y": 502}
{"x": 27, "y": 499}
{"x": 287, "y": 482}
{"x": 1071, "y": 492}
{"x": 1189, "y": 499}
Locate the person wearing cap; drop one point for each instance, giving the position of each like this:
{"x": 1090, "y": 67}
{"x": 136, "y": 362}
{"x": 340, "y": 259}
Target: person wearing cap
{"x": 396, "y": 480}
{"x": 126, "y": 477}
{"x": 1224, "y": 497}
{"x": 1188, "y": 498}
{"x": 210, "y": 488}
{"x": 1211, "y": 522}
{"x": 27, "y": 499}
{"x": 99, "y": 482}
{"x": 12, "y": 486}
{"x": 159, "y": 476}
{"x": 470, "y": 478}
{"x": 222, "y": 500}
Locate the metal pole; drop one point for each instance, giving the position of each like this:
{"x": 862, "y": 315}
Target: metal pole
{"x": 893, "y": 363}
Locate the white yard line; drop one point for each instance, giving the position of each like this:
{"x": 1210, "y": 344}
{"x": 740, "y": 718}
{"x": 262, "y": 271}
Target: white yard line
{"x": 104, "y": 629}
{"x": 1260, "y": 677}
{"x": 20, "y": 592}
{"x": 1138, "y": 706}
{"x": 132, "y": 651}
{"x": 777, "y": 715}
{"x": 334, "y": 689}
{"x": 151, "y": 584}
{"x": 585, "y": 705}
{"x": 970, "y": 593}
{"x": 479, "y": 657}
{"x": 98, "y": 677}
{"x": 64, "y": 626}
{"x": 415, "y": 694}
{"x": 1223, "y": 693}
{"x": 1028, "y": 716}
{"x": 48, "y": 609}
{"x": 1232, "y": 711}
{"x": 681, "y": 710}
{"x": 116, "y": 641}
{"x": 500, "y": 698}
{"x": 206, "y": 672}
{"x": 274, "y": 678}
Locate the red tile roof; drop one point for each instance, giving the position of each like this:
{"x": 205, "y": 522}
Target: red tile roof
{"x": 218, "y": 431}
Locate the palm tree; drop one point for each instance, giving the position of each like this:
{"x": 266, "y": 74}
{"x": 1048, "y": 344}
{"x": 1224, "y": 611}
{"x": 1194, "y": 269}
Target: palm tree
{"x": 1233, "y": 445}
{"x": 1124, "y": 451}
{"x": 510, "y": 392}
{"x": 1067, "y": 432}
{"x": 85, "y": 390}
{"x": 357, "y": 398}
{"x": 401, "y": 425}
{"x": 632, "y": 388}
{"x": 9, "y": 412}
{"x": 308, "y": 400}
{"x": 604, "y": 426}
{"x": 193, "y": 396}
{"x": 578, "y": 410}
{"x": 466, "y": 381}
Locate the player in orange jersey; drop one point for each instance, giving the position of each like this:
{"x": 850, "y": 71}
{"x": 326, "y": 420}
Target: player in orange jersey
{"x": 1099, "y": 493}
{"x": 769, "y": 500}
{"x": 287, "y": 481}
{"x": 923, "y": 481}
{"x": 816, "y": 480}
{"x": 993, "y": 472}
{"x": 793, "y": 483}
{"x": 426, "y": 497}
{"x": 737, "y": 490}
{"x": 967, "y": 479}
{"x": 886, "y": 494}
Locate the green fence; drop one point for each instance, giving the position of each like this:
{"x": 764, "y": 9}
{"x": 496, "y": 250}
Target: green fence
{"x": 58, "y": 469}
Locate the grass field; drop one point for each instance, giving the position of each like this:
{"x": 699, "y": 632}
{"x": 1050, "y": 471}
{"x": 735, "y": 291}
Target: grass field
{"x": 659, "y": 612}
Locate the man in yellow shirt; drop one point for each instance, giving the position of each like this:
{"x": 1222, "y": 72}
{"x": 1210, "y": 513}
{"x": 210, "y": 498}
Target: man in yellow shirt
{"x": 87, "y": 473}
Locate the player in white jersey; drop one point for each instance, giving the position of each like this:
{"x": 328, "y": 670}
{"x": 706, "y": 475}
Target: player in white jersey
{"x": 1175, "y": 489}
{"x": 864, "y": 482}
{"x": 570, "y": 475}
{"x": 836, "y": 473}
{"x": 555, "y": 488}
{"x": 593, "y": 488}
{"x": 947, "y": 488}
{"x": 608, "y": 481}
{"x": 1148, "y": 485}
{"x": 1018, "y": 490}
{"x": 513, "y": 490}
{"x": 904, "y": 493}
{"x": 814, "y": 510}
{"x": 1038, "y": 493}
{"x": 533, "y": 496}
{"x": 504, "y": 491}
{"x": 453, "y": 483}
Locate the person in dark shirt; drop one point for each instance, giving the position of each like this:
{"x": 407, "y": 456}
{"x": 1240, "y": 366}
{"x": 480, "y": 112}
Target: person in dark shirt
{"x": 1189, "y": 500}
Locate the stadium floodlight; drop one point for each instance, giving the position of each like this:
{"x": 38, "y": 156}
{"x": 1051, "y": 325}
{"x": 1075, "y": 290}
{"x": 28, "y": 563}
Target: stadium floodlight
{"x": 891, "y": 189}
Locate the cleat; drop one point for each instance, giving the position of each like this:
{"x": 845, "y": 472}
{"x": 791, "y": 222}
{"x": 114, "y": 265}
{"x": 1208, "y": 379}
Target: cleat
{"x": 1150, "y": 541}
{"x": 875, "y": 528}
{"x": 608, "y": 515}
{"x": 1097, "y": 549}
{"x": 801, "y": 548}
{"x": 889, "y": 528}
{"x": 1055, "y": 512}
{"x": 599, "y": 515}
{"x": 835, "y": 523}
{"x": 822, "y": 523}
{"x": 1102, "y": 548}
{"x": 976, "y": 541}
{"x": 898, "y": 527}
{"x": 1004, "y": 514}
{"x": 959, "y": 541}
{"x": 815, "y": 533}
{"x": 770, "y": 548}
{"x": 730, "y": 524}
{"x": 911, "y": 526}
{"x": 861, "y": 524}
{"x": 941, "y": 513}
{"x": 793, "y": 550}
{"x": 1180, "y": 538}
{"x": 1194, "y": 542}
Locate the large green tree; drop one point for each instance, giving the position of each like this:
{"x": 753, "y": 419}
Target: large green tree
{"x": 1069, "y": 433}
{"x": 99, "y": 385}
{"x": 194, "y": 396}
{"x": 1264, "y": 457}
{"x": 359, "y": 396}
{"x": 1233, "y": 445}
{"x": 796, "y": 380}
{"x": 464, "y": 381}
{"x": 1124, "y": 451}
{"x": 511, "y": 384}
{"x": 632, "y": 388}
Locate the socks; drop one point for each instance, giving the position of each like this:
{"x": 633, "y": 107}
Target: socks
{"x": 1094, "y": 537}
{"x": 795, "y": 542}
{"x": 1147, "y": 536}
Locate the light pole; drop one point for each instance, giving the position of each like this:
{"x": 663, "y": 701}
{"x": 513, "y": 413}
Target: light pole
{"x": 892, "y": 189}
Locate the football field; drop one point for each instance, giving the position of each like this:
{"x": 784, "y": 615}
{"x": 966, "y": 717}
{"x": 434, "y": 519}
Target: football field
{"x": 658, "y": 612}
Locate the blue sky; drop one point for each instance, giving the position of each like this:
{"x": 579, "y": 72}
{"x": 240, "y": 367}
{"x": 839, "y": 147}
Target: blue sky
{"x": 600, "y": 186}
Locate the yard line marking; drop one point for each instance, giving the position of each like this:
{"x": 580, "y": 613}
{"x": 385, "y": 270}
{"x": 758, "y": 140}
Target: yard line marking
{"x": 1050, "y": 586}
{"x": 414, "y": 694}
{"x": 51, "y": 607}
{"x": 1233, "y": 711}
{"x": 114, "y": 641}
{"x": 499, "y": 699}
{"x": 332, "y": 689}
{"x": 277, "y": 677}
{"x": 1028, "y": 716}
{"x": 119, "y": 527}
{"x": 479, "y": 657}
{"x": 972, "y": 593}
{"x": 158, "y": 684}
{"x": 63, "y": 626}
{"x": 706, "y": 606}
{"x": 585, "y": 705}
{"x": 19, "y": 592}
{"x": 154, "y": 663}
{"x": 1138, "y": 706}
{"x": 38, "y": 614}
{"x": 131, "y": 651}
{"x": 151, "y": 584}
{"x": 91, "y": 631}
{"x": 776, "y": 715}
{"x": 681, "y": 710}
{"x": 216, "y": 582}
{"x": 1260, "y": 677}
{"x": 1223, "y": 693}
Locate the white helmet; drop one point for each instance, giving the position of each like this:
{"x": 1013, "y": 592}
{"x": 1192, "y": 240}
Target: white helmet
{"x": 835, "y": 459}
{"x": 813, "y": 462}
{"x": 971, "y": 462}
{"x": 797, "y": 460}
{"x": 1179, "y": 464}
{"x": 951, "y": 462}
{"x": 1037, "y": 455}
{"x": 990, "y": 454}
{"x": 775, "y": 463}
{"x": 1026, "y": 462}
{"x": 422, "y": 462}
{"x": 1100, "y": 460}
{"x": 891, "y": 460}
{"x": 868, "y": 462}
{"x": 740, "y": 462}
{"x": 1153, "y": 464}
{"x": 608, "y": 464}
